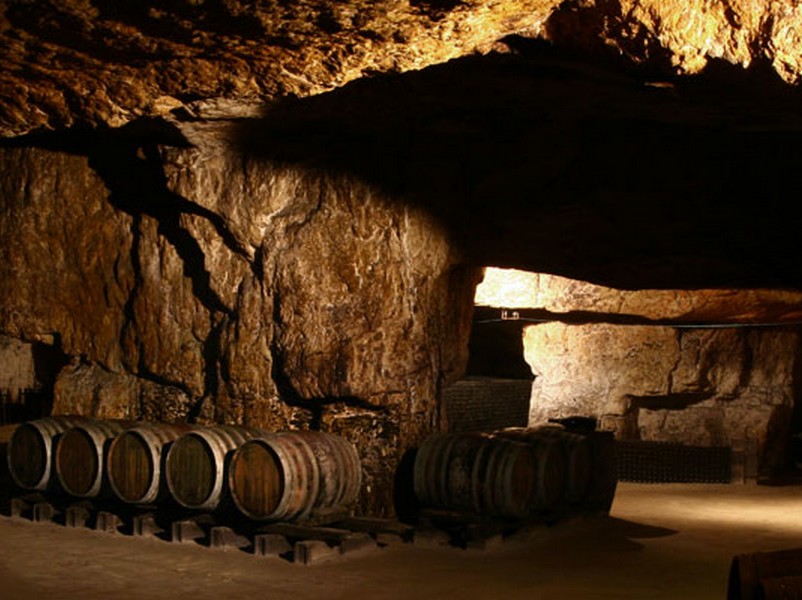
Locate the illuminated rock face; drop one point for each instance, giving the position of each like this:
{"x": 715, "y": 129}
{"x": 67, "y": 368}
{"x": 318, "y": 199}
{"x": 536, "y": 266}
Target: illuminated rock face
{"x": 569, "y": 299}
{"x": 105, "y": 63}
{"x": 193, "y": 285}
{"x": 705, "y": 387}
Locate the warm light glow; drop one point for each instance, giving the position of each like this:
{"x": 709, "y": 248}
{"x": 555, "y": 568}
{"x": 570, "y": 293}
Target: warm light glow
{"x": 509, "y": 288}
{"x": 512, "y": 288}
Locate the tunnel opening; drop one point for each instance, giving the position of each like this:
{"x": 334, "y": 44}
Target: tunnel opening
{"x": 697, "y": 385}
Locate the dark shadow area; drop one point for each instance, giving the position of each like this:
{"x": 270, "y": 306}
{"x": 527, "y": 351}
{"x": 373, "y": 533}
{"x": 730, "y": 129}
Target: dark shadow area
{"x": 670, "y": 401}
{"x": 540, "y": 162}
{"x": 406, "y": 504}
{"x": 795, "y": 441}
{"x": 496, "y": 348}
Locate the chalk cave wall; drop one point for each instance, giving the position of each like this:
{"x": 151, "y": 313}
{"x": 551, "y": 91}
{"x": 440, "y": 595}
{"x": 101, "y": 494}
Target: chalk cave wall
{"x": 697, "y": 386}
{"x": 192, "y": 283}
{"x": 157, "y": 264}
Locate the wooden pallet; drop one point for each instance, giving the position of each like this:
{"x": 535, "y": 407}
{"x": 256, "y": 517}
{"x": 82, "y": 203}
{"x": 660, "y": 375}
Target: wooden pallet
{"x": 321, "y": 537}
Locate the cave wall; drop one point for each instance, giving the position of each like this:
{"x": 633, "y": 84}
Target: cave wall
{"x": 207, "y": 236}
{"x": 193, "y": 284}
{"x": 704, "y": 387}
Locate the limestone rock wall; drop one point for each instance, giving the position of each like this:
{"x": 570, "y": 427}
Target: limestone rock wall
{"x": 555, "y": 295}
{"x": 17, "y": 369}
{"x": 733, "y": 386}
{"x": 193, "y": 284}
{"x": 105, "y": 63}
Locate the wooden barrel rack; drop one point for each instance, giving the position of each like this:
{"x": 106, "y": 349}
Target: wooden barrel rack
{"x": 492, "y": 486}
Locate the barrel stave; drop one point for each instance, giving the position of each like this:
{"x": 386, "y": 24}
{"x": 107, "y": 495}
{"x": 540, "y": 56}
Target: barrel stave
{"x": 474, "y": 472}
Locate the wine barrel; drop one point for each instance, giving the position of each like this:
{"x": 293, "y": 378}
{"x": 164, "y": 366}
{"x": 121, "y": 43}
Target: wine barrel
{"x": 30, "y": 450}
{"x": 781, "y": 588}
{"x": 552, "y": 464}
{"x": 284, "y": 476}
{"x": 134, "y": 461}
{"x": 574, "y": 451}
{"x": 80, "y": 456}
{"x": 475, "y": 472}
{"x": 748, "y": 570}
{"x": 339, "y": 468}
{"x": 195, "y": 465}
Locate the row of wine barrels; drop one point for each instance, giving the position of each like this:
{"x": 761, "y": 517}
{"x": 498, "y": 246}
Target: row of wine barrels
{"x": 135, "y": 460}
{"x": 286, "y": 475}
{"x": 269, "y": 476}
{"x": 565, "y": 462}
{"x": 196, "y": 462}
{"x": 30, "y": 450}
{"x": 758, "y": 575}
{"x": 544, "y": 467}
{"x": 475, "y": 472}
{"x": 80, "y": 456}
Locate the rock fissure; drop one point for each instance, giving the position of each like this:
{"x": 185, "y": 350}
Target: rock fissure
{"x": 136, "y": 183}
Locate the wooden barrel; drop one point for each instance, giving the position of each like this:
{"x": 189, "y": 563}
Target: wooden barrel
{"x": 559, "y": 449}
{"x": 286, "y": 475}
{"x": 475, "y": 472}
{"x": 747, "y": 571}
{"x": 80, "y": 456}
{"x": 339, "y": 468}
{"x": 30, "y": 450}
{"x": 504, "y": 479}
{"x": 781, "y": 588}
{"x": 196, "y": 461}
{"x": 134, "y": 461}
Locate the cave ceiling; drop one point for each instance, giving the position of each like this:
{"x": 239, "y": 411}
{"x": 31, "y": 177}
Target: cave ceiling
{"x": 632, "y": 143}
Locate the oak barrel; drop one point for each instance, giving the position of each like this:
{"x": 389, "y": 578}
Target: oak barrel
{"x": 286, "y": 475}
{"x": 781, "y": 588}
{"x": 747, "y": 571}
{"x": 550, "y": 465}
{"x": 135, "y": 459}
{"x": 475, "y": 472}
{"x": 556, "y": 449}
{"x": 80, "y": 456}
{"x": 30, "y": 450}
{"x": 196, "y": 461}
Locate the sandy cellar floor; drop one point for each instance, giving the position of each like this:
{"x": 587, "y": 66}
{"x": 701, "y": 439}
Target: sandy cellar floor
{"x": 661, "y": 541}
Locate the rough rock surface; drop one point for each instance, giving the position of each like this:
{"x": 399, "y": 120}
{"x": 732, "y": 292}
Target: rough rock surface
{"x": 193, "y": 284}
{"x": 17, "y": 368}
{"x": 105, "y": 63}
{"x": 572, "y": 300}
{"x": 706, "y": 387}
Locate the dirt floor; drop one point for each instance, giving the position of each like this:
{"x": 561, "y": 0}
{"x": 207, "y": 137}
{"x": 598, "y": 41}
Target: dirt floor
{"x": 661, "y": 541}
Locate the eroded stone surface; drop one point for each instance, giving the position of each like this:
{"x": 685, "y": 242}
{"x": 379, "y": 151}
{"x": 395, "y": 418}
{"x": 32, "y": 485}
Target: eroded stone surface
{"x": 106, "y": 63}
{"x": 193, "y": 285}
{"x": 704, "y": 387}
{"x": 568, "y": 299}
{"x": 65, "y": 260}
